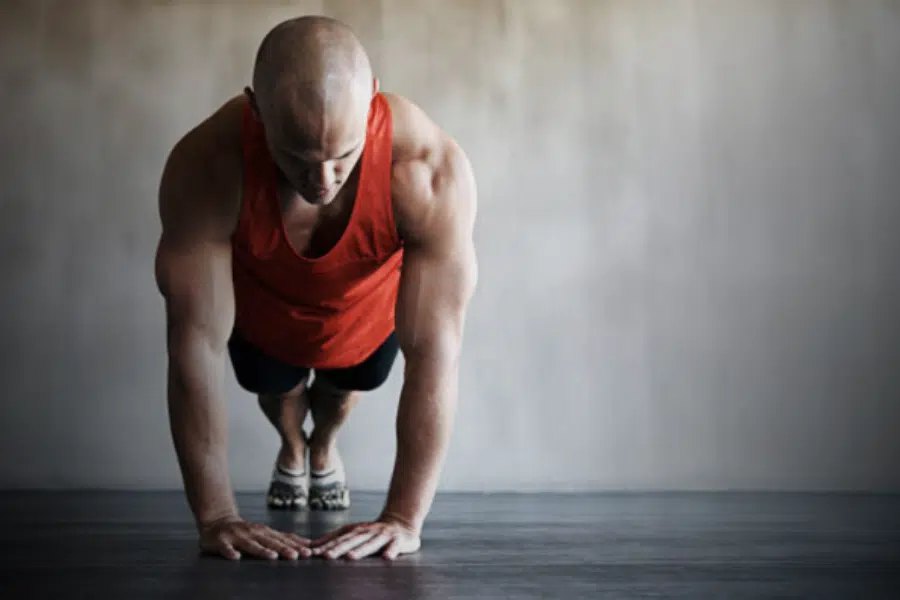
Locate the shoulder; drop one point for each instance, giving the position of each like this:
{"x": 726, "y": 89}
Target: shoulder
{"x": 200, "y": 185}
{"x": 432, "y": 180}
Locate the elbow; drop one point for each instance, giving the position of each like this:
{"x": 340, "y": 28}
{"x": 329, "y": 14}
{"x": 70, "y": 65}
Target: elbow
{"x": 434, "y": 354}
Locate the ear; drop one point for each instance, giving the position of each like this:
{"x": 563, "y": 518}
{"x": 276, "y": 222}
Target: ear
{"x": 251, "y": 98}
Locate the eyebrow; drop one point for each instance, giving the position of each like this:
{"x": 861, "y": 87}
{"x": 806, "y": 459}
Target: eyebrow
{"x": 301, "y": 153}
{"x": 351, "y": 150}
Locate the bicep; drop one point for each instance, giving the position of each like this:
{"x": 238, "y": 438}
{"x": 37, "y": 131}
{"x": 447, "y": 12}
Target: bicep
{"x": 196, "y": 283}
{"x": 440, "y": 270}
{"x": 193, "y": 260}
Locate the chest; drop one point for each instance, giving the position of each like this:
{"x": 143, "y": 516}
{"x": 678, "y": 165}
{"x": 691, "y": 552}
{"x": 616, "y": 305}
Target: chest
{"x": 313, "y": 231}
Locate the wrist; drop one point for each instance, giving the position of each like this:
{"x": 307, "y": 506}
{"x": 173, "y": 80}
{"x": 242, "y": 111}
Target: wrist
{"x": 412, "y": 525}
{"x": 209, "y": 521}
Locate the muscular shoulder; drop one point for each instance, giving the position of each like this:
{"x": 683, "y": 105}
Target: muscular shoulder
{"x": 432, "y": 181}
{"x": 200, "y": 186}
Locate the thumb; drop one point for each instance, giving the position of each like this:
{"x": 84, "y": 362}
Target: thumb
{"x": 230, "y": 553}
{"x": 393, "y": 549}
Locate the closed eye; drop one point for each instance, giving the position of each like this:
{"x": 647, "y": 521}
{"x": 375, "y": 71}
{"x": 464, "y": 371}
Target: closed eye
{"x": 311, "y": 157}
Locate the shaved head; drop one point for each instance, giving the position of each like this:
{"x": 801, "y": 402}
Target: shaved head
{"x": 312, "y": 86}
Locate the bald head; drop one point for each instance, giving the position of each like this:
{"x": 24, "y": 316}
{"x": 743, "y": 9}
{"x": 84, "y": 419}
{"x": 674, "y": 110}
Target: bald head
{"x": 310, "y": 59}
{"x": 312, "y": 85}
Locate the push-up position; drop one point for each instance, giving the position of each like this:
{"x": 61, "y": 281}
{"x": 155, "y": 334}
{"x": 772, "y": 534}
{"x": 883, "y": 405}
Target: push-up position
{"x": 312, "y": 227}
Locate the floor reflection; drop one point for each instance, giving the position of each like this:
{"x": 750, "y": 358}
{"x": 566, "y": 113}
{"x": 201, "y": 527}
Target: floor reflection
{"x": 370, "y": 579}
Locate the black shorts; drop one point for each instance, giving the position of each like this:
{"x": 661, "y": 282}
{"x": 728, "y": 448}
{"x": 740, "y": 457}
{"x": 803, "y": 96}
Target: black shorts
{"x": 259, "y": 373}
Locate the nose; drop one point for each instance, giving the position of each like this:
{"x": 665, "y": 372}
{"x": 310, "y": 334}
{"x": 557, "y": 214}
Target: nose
{"x": 322, "y": 175}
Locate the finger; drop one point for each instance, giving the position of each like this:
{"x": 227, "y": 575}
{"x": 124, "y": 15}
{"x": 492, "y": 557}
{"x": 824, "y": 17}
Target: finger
{"x": 337, "y": 541}
{"x": 297, "y": 541}
{"x": 332, "y": 535}
{"x": 393, "y": 549}
{"x": 370, "y": 547}
{"x": 280, "y": 546}
{"x": 300, "y": 544}
{"x": 219, "y": 547}
{"x": 330, "y": 546}
{"x": 275, "y": 540}
{"x": 254, "y": 548}
{"x": 349, "y": 544}
{"x": 228, "y": 551}
{"x": 292, "y": 541}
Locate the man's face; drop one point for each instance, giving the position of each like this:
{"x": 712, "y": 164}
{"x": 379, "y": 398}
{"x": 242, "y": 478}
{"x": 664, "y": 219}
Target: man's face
{"x": 316, "y": 145}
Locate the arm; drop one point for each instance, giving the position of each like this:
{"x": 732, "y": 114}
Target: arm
{"x": 434, "y": 204}
{"x": 199, "y": 206}
{"x": 193, "y": 273}
{"x": 438, "y": 279}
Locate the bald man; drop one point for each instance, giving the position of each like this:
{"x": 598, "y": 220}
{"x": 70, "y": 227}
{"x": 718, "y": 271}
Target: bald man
{"x": 312, "y": 228}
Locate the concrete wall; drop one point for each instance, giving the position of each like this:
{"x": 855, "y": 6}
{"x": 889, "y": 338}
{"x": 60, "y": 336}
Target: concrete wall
{"x": 689, "y": 247}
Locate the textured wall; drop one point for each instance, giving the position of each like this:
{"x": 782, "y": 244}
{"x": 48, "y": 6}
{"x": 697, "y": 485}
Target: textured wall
{"x": 688, "y": 237}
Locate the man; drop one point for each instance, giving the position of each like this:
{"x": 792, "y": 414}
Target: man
{"x": 314, "y": 226}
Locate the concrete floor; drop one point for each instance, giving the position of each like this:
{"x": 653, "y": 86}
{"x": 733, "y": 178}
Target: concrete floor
{"x": 142, "y": 545}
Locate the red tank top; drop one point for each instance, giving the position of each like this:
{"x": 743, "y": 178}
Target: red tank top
{"x": 327, "y": 312}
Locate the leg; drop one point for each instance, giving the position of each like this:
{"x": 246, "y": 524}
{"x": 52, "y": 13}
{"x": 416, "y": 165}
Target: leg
{"x": 332, "y": 397}
{"x": 287, "y": 412}
{"x": 288, "y": 487}
{"x": 330, "y": 407}
{"x": 281, "y": 392}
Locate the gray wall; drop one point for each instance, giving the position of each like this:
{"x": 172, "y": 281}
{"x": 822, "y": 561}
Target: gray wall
{"x": 688, "y": 237}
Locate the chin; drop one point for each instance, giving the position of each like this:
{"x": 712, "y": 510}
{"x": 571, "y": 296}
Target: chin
{"x": 327, "y": 198}
{"x": 310, "y": 198}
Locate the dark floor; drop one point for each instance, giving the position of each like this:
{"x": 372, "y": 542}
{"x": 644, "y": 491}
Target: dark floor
{"x": 734, "y": 546}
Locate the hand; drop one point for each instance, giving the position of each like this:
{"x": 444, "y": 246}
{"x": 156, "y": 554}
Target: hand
{"x": 365, "y": 539}
{"x": 231, "y": 536}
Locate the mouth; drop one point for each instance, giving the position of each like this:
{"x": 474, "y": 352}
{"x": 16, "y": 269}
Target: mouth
{"x": 318, "y": 193}
{"x": 313, "y": 193}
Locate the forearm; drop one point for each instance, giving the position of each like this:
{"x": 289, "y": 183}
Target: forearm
{"x": 425, "y": 418}
{"x": 198, "y": 421}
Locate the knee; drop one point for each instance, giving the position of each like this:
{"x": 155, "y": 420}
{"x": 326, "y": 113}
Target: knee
{"x": 269, "y": 398}
{"x": 340, "y": 383}
{"x": 270, "y": 388}
{"x": 323, "y": 394}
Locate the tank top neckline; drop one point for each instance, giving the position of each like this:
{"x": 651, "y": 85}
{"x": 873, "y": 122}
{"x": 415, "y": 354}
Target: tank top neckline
{"x": 348, "y": 228}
